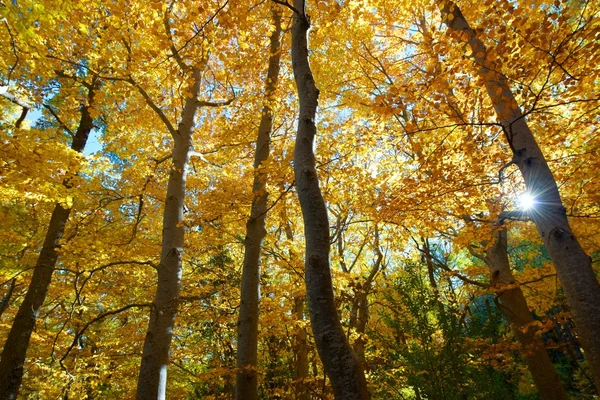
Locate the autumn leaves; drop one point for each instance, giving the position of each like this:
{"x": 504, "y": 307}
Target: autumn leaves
{"x": 425, "y": 125}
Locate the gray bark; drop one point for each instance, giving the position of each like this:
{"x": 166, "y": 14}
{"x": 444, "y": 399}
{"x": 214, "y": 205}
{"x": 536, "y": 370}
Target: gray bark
{"x": 15, "y": 348}
{"x": 341, "y": 364}
{"x": 152, "y": 380}
{"x": 514, "y": 307}
{"x": 572, "y": 264}
{"x": 247, "y": 381}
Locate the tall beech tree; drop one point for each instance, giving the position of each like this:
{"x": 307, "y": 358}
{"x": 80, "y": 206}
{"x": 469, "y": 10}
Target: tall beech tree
{"x": 15, "y": 348}
{"x": 408, "y": 143}
{"x": 573, "y": 265}
{"x": 247, "y": 382}
{"x": 152, "y": 381}
{"x": 514, "y": 307}
{"x": 340, "y": 362}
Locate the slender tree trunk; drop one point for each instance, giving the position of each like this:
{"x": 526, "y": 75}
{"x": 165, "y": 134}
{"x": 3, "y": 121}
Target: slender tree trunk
{"x": 7, "y": 296}
{"x": 340, "y": 362}
{"x": 15, "y": 347}
{"x": 301, "y": 366}
{"x": 301, "y": 352}
{"x": 514, "y": 307}
{"x": 152, "y": 380}
{"x": 247, "y": 382}
{"x": 361, "y": 303}
{"x": 572, "y": 264}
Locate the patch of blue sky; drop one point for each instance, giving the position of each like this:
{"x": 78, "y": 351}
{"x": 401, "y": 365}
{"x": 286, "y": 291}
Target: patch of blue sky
{"x": 93, "y": 144}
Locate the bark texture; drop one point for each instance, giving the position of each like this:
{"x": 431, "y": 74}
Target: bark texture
{"x": 572, "y": 264}
{"x": 341, "y": 364}
{"x": 246, "y": 381}
{"x": 514, "y": 307}
{"x": 15, "y": 347}
{"x": 152, "y": 380}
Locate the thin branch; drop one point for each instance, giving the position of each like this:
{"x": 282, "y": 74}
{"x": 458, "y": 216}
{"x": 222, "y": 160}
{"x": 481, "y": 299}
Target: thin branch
{"x": 99, "y": 318}
{"x": 60, "y": 122}
{"x": 14, "y": 48}
{"x": 154, "y": 107}
{"x": 175, "y": 53}
{"x": 201, "y": 29}
{"x": 202, "y": 103}
{"x": 14, "y": 99}
{"x": 288, "y": 5}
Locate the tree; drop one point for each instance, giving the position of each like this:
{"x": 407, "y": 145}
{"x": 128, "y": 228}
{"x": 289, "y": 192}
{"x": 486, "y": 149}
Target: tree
{"x": 514, "y": 307}
{"x": 15, "y": 347}
{"x": 247, "y": 383}
{"x": 341, "y": 364}
{"x": 572, "y": 263}
{"x": 408, "y": 146}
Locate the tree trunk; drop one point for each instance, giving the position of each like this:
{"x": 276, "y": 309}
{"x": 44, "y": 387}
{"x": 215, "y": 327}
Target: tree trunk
{"x": 247, "y": 382}
{"x": 341, "y": 364}
{"x": 15, "y": 347}
{"x": 301, "y": 366}
{"x": 4, "y": 303}
{"x": 361, "y": 303}
{"x": 572, "y": 264}
{"x": 301, "y": 353}
{"x": 152, "y": 380}
{"x": 514, "y": 307}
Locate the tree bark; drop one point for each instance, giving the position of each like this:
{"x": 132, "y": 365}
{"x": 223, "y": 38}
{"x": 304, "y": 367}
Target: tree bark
{"x": 514, "y": 307}
{"x": 341, "y": 364}
{"x": 360, "y": 307}
{"x": 4, "y": 303}
{"x": 15, "y": 347}
{"x": 247, "y": 381}
{"x": 301, "y": 353}
{"x": 572, "y": 264}
{"x": 152, "y": 380}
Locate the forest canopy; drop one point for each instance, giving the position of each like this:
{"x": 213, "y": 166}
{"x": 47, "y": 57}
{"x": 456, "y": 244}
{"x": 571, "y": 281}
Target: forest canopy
{"x": 291, "y": 199}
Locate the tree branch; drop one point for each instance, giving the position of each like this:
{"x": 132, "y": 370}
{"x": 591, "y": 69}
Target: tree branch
{"x": 60, "y": 122}
{"x": 99, "y": 318}
{"x": 14, "y": 99}
{"x": 288, "y": 5}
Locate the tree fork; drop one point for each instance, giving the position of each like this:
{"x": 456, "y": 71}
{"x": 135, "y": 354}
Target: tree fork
{"x": 152, "y": 380}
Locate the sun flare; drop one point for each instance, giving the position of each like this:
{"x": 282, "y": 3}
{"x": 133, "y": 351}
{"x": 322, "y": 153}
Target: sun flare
{"x": 526, "y": 201}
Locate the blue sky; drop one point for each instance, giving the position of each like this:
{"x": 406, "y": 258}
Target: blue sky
{"x": 92, "y": 146}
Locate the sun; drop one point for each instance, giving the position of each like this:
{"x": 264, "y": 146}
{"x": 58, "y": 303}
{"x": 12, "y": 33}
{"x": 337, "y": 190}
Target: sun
{"x": 526, "y": 201}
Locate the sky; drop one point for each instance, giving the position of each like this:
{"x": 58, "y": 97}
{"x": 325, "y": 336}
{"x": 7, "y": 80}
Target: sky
{"x": 92, "y": 146}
